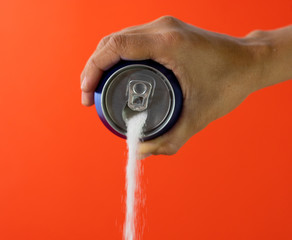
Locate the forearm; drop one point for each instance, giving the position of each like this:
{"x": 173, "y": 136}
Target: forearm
{"x": 273, "y": 54}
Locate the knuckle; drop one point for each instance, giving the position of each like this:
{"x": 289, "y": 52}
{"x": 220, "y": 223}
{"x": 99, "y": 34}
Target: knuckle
{"x": 256, "y": 33}
{"x": 168, "y": 20}
{"x": 103, "y": 41}
{"x": 116, "y": 41}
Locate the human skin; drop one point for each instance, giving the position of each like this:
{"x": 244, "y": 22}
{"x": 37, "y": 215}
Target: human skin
{"x": 216, "y": 71}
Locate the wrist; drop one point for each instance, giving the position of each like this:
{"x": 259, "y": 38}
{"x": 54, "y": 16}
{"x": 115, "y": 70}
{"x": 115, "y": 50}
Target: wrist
{"x": 272, "y": 55}
{"x": 261, "y": 52}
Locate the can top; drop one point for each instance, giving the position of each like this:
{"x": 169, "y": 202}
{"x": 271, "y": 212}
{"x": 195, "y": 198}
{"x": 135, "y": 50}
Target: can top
{"x": 134, "y": 88}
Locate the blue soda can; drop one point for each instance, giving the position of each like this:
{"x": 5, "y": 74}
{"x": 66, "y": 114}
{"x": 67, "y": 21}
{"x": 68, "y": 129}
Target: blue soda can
{"x": 130, "y": 87}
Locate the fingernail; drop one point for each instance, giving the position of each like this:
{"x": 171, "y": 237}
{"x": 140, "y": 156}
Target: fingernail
{"x": 83, "y": 84}
{"x": 83, "y": 98}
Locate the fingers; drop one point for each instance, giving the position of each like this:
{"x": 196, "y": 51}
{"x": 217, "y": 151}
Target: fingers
{"x": 116, "y": 47}
{"x": 138, "y": 29}
{"x": 134, "y": 43}
{"x": 188, "y": 124}
{"x": 87, "y": 98}
{"x": 134, "y": 46}
{"x": 170, "y": 142}
{"x": 101, "y": 60}
{"x": 167, "y": 144}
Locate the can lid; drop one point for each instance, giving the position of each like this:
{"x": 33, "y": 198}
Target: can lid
{"x": 134, "y": 86}
{"x": 130, "y": 83}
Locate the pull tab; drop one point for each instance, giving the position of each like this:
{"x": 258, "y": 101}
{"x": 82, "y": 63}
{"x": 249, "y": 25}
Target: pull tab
{"x": 139, "y": 92}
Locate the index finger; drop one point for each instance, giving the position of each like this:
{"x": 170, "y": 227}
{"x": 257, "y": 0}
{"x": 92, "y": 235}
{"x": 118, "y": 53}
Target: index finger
{"x": 93, "y": 70}
{"x": 119, "y": 46}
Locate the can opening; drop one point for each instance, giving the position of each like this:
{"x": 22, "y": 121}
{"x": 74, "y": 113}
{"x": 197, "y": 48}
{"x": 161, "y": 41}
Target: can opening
{"x": 127, "y": 113}
{"x": 138, "y": 100}
{"x": 139, "y": 93}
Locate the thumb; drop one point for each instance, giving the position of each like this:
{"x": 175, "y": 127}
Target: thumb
{"x": 170, "y": 142}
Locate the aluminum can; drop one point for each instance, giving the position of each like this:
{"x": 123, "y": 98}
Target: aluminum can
{"x": 130, "y": 87}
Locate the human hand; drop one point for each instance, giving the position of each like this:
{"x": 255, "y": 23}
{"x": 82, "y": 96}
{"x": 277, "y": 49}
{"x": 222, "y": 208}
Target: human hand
{"x": 216, "y": 72}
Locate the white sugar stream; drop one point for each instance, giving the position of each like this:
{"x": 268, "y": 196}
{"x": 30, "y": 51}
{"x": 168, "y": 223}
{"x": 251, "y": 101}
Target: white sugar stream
{"x": 134, "y": 131}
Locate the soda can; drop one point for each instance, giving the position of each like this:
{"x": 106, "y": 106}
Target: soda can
{"x": 130, "y": 87}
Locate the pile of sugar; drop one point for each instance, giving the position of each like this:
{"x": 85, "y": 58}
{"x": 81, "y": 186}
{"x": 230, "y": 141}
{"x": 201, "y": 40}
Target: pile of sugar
{"x": 134, "y": 130}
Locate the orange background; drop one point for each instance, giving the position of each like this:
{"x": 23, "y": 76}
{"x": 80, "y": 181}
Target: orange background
{"x": 62, "y": 172}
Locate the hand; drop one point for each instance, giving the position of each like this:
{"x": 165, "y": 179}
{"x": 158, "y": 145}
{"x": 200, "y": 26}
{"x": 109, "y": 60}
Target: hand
{"x": 216, "y": 72}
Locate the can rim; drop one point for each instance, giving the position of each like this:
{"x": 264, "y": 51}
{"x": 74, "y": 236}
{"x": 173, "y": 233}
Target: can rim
{"x": 168, "y": 77}
{"x": 110, "y": 81}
